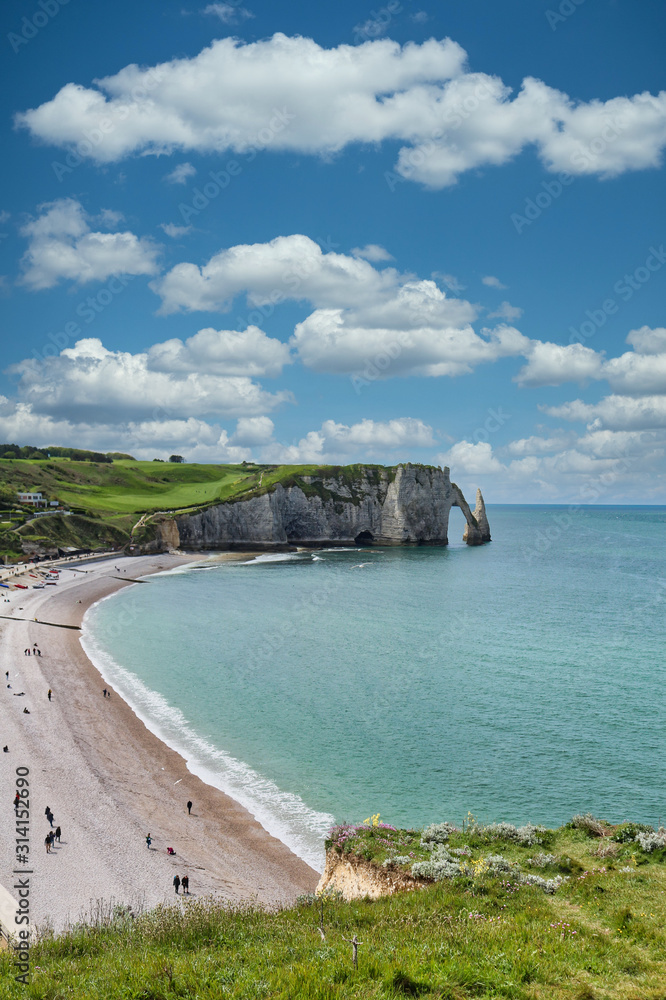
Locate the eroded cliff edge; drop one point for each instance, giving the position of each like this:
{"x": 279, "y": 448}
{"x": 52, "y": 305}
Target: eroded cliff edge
{"x": 352, "y": 505}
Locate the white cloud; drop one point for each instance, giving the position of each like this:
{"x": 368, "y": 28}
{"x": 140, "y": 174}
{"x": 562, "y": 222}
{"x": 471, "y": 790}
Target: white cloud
{"x": 366, "y": 440}
{"x": 647, "y": 341}
{"x": 221, "y": 352}
{"x": 253, "y": 431}
{"x": 289, "y": 267}
{"x": 420, "y": 17}
{"x": 634, "y": 373}
{"x": 228, "y": 13}
{"x": 180, "y": 174}
{"x": 195, "y": 439}
{"x": 364, "y": 318}
{"x": 506, "y": 311}
{"x": 492, "y": 282}
{"x": 471, "y": 458}
{"x": 614, "y": 412}
{"x": 552, "y": 364}
{"x": 317, "y": 100}
{"x": 537, "y": 445}
{"x": 175, "y": 231}
{"x": 62, "y": 247}
{"x": 89, "y": 383}
{"x": 372, "y": 252}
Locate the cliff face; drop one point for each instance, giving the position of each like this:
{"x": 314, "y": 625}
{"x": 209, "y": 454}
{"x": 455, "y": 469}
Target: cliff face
{"x": 409, "y": 504}
{"x": 355, "y": 878}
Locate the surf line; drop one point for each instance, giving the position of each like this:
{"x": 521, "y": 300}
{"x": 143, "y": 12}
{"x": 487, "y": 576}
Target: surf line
{"x": 37, "y": 621}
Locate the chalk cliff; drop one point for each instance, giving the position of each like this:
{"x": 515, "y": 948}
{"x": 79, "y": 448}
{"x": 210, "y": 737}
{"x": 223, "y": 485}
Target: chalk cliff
{"x": 373, "y": 505}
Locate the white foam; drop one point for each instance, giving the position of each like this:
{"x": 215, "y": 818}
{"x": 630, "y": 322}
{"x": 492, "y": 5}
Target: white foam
{"x": 272, "y": 557}
{"x": 282, "y": 814}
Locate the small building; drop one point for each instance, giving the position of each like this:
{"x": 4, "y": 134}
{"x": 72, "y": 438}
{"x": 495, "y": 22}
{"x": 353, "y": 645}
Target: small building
{"x": 32, "y": 499}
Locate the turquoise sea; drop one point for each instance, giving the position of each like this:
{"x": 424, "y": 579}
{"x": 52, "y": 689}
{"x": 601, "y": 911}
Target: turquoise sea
{"x": 522, "y": 680}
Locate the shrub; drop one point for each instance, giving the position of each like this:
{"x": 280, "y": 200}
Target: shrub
{"x": 625, "y": 833}
{"x": 592, "y": 826}
{"x": 527, "y": 836}
{"x": 542, "y": 860}
{"x": 649, "y": 842}
{"x": 438, "y": 833}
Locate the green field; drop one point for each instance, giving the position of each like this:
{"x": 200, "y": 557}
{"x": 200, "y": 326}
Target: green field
{"x": 600, "y": 936}
{"x": 121, "y": 492}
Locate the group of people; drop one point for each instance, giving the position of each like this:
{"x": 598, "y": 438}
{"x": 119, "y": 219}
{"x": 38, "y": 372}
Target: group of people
{"x": 53, "y": 835}
{"x": 177, "y": 880}
{"x": 35, "y": 651}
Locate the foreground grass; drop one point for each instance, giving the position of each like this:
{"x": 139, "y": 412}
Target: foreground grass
{"x": 600, "y": 936}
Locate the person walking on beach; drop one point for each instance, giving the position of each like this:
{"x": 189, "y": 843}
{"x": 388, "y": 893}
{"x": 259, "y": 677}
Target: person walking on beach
{"x": 49, "y": 815}
{"x": 148, "y": 841}
{"x": 176, "y": 882}
{"x": 51, "y": 836}
{"x": 49, "y": 694}
{"x": 58, "y": 831}
{"x": 189, "y": 808}
{"x": 17, "y": 800}
{"x": 185, "y": 882}
{"x": 47, "y": 843}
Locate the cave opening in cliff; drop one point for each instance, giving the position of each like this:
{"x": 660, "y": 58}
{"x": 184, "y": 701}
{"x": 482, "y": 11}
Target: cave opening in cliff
{"x": 364, "y": 538}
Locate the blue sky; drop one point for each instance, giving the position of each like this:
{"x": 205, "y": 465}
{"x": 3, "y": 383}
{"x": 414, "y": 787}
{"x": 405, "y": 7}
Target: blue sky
{"x": 305, "y": 233}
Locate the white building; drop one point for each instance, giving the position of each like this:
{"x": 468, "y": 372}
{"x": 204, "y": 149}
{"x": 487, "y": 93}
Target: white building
{"x": 33, "y": 499}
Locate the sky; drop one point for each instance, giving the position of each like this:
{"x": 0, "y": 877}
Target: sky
{"x": 307, "y": 233}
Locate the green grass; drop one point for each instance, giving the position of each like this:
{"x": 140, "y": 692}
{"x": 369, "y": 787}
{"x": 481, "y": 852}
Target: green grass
{"x": 600, "y": 936}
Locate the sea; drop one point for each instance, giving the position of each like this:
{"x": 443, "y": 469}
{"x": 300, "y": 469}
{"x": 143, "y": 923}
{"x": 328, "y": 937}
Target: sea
{"x": 523, "y": 680}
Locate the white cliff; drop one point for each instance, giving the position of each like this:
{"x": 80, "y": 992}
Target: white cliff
{"x": 404, "y": 505}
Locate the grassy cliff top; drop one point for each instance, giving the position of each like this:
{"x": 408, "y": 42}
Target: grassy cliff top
{"x": 478, "y": 934}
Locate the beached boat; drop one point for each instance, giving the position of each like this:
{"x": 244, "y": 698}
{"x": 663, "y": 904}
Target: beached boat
{"x": 20, "y": 586}
{"x": 38, "y": 586}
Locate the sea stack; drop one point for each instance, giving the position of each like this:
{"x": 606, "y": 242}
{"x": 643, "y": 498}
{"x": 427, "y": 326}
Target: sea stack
{"x": 483, "y": 528}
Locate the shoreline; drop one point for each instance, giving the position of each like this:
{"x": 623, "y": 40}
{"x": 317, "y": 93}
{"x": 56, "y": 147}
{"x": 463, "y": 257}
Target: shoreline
{"x": 110, "y": 780}
{"x": 283, "y": 815}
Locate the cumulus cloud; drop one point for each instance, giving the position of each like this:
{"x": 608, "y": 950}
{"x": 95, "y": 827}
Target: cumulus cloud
{"x": 195, "y": 439}
{"x": 62, "y": 247}
{"x": 89, "y": 383}
{"x": 288, "y": 267}
{"x": 253, "y": 431}
{"x": 379, "y": 320}
{"x": 552, "y": 364}
{"x": 367, "y": 439}
{"x": 221, "y": 352}
{"x": 639, "y": 372}
{"x": 492, "y": 282}
{"x": 450, "y": 120}
{"x": 180, "y": 174}
{"x": 614, "y": 412}
{"x": 471, "y": 458}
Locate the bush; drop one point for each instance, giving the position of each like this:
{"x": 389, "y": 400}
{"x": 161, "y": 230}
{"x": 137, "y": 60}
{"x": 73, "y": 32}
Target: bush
{"x": 438, "y": 833}
{"x": 649, "y": 842}
{"x": 592, "y": 826}
{"x": 625, "y": 833}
